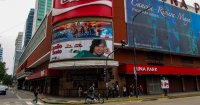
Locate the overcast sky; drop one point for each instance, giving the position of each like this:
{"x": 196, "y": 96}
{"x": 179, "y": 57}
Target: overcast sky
{"x": 12, "y": 20}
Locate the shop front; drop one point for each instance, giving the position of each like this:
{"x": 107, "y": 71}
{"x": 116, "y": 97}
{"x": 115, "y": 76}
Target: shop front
{"x": 180, "y": 79}
{"x": 47, "y": 80}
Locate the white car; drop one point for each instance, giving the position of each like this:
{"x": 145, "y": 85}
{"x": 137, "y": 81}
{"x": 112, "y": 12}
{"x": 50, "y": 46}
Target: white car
{"x": 2, "y": 90}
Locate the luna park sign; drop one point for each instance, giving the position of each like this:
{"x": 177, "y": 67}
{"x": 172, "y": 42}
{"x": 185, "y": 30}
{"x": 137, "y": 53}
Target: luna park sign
{"x": 183, "y": 4}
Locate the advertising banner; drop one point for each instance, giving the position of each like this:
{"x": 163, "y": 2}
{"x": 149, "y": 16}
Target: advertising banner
{"x": 164, "y": 27}
{"x": 65, "y": 9}
{"x": 82, "y": 40}
{"x": 82, "y": 30}
{"x": 82, "y": 49}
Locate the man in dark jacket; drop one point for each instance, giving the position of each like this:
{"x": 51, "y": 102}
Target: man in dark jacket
{"x": 36, "y": 92}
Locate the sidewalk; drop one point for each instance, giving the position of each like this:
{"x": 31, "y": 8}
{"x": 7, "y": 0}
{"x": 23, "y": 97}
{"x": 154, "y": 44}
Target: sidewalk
{"x": 60, "y": 100}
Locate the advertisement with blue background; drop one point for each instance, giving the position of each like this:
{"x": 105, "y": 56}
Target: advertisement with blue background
{"x": 163, "y": 27}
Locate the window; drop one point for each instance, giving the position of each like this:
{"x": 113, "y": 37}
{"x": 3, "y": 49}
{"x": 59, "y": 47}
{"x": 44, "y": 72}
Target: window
{"x": 154, "y": 58}
{"x": 187, "y": 60}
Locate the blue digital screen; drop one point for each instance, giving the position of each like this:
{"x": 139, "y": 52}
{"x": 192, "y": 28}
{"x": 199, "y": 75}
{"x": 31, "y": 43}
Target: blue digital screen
{"x": 163, "y": 27}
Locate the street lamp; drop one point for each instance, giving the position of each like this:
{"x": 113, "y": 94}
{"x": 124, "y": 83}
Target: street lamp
{"x": 134, "y": 53}
{"x": 123, "y": 43}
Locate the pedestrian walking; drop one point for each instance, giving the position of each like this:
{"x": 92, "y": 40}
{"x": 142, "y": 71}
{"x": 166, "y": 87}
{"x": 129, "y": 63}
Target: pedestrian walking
{"x": 36, "y": 92}
{"x": 140, "y": 90}
{"x": 117, "y": 88}
{"x": 131, "y": 90}
{"x": 113, "y": 90}
{"x": 124, "y": 91}
{"x": 80, "y": 90}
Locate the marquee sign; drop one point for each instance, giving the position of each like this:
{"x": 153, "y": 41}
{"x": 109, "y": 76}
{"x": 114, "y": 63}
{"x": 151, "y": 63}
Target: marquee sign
{"x": 65, "y": 9}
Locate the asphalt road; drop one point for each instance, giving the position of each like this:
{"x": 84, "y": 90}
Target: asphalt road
{"x": 163, "y": 101}
{"x": 12, "y": 99}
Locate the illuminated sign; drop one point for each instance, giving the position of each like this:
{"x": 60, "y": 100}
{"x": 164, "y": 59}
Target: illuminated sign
{"x": 183, "y": 4}
{"x": 65, "y": 9}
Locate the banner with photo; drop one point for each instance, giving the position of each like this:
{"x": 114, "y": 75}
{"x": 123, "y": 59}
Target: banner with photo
{"x": 82, "y": 40}
{"x": 82, "y": 49}
{"x": 82, "y": 30}
{"x": 164, "y": 27}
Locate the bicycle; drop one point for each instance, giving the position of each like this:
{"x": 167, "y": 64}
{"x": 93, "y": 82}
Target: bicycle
{"x": 89, "y": 99}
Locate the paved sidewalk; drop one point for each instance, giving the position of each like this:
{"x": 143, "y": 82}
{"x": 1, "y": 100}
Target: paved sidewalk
{"x": 60, "y": 100}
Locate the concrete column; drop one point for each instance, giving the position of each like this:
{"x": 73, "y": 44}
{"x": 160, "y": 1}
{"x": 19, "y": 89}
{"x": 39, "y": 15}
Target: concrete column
{"x": 183, "y": 84}
{"x": 147, "y": 84}
{"x": 197, "y": 83}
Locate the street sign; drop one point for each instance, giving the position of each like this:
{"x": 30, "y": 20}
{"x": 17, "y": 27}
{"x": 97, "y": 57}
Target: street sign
{"x": 164, "y": 84}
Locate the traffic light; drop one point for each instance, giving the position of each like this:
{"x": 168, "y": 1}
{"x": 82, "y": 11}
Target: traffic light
{"x": 123, "y": 42}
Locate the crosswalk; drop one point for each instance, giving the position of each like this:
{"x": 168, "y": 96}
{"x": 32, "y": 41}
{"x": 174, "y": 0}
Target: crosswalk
{"x": 21, "y": 103}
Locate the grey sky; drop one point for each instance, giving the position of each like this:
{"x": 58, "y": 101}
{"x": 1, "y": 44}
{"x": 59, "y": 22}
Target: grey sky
{"x": 12, "y": 20}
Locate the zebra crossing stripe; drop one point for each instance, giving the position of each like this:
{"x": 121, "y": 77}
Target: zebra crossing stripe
{"x": 39, "y": 103}
{"x": 18, "y": 97}
{"x": 29, "y": 103}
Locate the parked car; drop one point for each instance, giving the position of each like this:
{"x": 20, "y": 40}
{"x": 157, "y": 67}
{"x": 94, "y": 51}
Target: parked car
{"x": 2, "y": 90}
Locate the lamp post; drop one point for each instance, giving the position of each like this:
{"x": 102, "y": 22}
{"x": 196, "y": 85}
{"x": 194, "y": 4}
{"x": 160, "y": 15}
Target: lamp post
{"x": 123, "y": 43}
{"x": 134, "y": 49}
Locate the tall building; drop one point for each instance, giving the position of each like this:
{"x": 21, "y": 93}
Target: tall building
{"x": 162, "y": 53}
{"x": 29, "y": 26}
{"x": 42, "y": 7}
{"x": 18, "y": 50}
{"x": 1, "y": 53}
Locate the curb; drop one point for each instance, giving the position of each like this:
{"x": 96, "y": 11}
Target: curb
{"x": 127, "y": 100}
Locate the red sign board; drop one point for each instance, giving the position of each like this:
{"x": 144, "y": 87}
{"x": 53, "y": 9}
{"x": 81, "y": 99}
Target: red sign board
{"x": 44, "y": 73}
{"x": 160, "y": 70}
{"x": 65, "y": 9}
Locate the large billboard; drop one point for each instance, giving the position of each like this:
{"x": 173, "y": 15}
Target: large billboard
{"x": 66, "y": 9}
{"x": 82, "y": 40}
{"x": 163, "y": 27}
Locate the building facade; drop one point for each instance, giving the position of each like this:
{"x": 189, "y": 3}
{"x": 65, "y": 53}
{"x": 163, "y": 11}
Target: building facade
{"x": 163, "y": 41}
{"x": 1, "y": 53}
{"x": 18, "y": 51}
{"x": 42, "y": 7}
{"x": 28, "y": 29}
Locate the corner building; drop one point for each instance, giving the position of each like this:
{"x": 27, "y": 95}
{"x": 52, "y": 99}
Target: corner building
{"x": 167, "y": 46}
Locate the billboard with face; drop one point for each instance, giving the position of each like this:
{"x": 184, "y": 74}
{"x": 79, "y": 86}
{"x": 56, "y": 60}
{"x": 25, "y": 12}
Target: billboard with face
{"x": 163, "y": 27}
{"x": 82, "y": 40}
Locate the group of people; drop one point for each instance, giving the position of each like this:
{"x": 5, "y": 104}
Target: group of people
{"x": 113, "y": 90}
{"x": 132, "y": 90}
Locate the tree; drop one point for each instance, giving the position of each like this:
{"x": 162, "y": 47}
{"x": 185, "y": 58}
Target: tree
{"x": 2, "y": 70}
{"x": 7, "y": 80}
